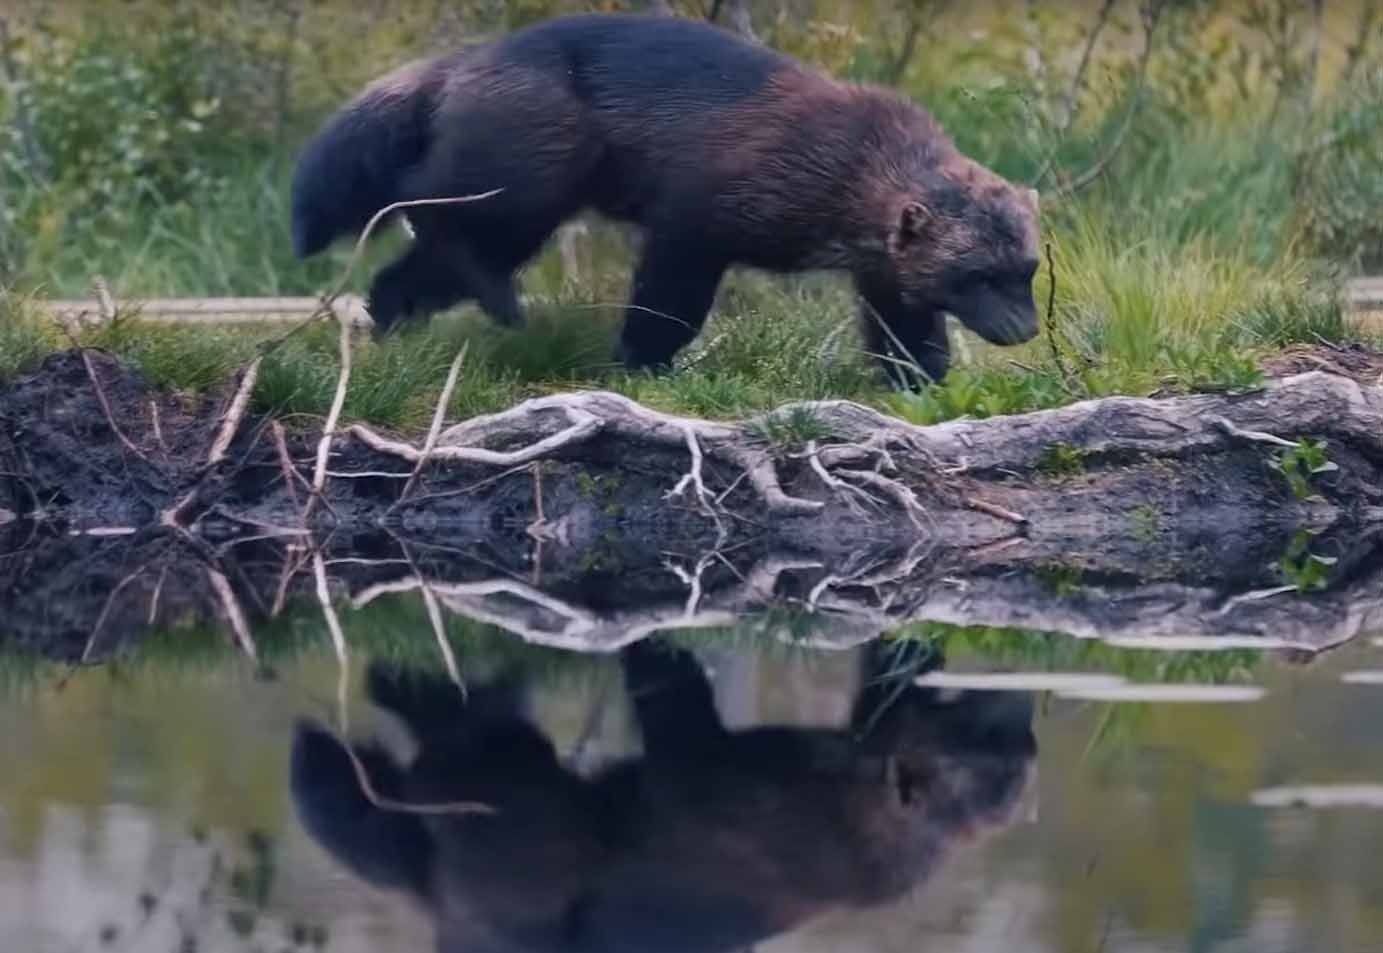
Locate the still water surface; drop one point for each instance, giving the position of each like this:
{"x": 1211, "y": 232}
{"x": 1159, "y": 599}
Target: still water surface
{"x": 693, "y": 793}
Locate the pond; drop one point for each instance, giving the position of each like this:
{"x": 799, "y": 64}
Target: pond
{"x": 754, "y": 784}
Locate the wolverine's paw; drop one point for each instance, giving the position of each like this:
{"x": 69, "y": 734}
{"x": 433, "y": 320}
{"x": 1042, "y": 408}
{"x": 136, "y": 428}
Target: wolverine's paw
{"x": 634, "y": 361}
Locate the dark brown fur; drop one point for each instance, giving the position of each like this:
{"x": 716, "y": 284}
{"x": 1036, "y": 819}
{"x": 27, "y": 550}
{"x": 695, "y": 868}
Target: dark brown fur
{"x": 721, "y": 151}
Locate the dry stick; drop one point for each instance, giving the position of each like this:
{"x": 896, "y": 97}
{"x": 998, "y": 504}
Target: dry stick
{"x": 319, "y": 476}
{"x": 434, "y": 616}
{"x": 362, "y": 776}
{"x": 230, "y": 423}
{"x": 105, "y": 405}
{"x": 1255, "y": 436}
{"x": 1066, "y": 376}
{"x": 324, "y": 308}
{"x": 154, "y": 599}
{"x": 158, "y": 426}
{"x": 290, "y": 474}
{"x": 998, "y": 512}
{"x": 234, "y": 614}
{"x": 105, "y": 612}
{"x": 438, "y": 416}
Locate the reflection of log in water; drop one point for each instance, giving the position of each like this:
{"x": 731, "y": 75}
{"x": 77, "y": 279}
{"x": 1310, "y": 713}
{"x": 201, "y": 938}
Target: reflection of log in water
{"x": 587, "y": 521}
{"x": 710, "y": 840}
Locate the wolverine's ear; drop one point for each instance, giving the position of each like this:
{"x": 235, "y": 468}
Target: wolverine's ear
{"x": 1034, "y": 198}
{"x": 913, "y": 221}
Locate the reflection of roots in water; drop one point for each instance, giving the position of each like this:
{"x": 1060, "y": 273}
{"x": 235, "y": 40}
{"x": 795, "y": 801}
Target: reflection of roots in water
{"x": 338, "y": 641}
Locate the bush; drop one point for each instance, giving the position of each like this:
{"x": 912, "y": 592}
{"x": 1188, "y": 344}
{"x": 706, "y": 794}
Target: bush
{"x": 105, "y": 121}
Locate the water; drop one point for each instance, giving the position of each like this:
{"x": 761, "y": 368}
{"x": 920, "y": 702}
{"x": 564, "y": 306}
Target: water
{"x": 154, "y": 802}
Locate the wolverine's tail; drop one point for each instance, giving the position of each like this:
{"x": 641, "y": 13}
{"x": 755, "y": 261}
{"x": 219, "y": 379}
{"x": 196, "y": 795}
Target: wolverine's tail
{"x": 353, "y": 166}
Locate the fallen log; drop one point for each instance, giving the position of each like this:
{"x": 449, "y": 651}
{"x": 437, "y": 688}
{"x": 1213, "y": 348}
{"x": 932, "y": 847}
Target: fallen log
{"x": 1120, "y": 516}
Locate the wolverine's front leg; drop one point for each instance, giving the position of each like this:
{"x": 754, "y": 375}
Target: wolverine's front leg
{"x": 674, "y": 287}
{"x": 903, "y": 343}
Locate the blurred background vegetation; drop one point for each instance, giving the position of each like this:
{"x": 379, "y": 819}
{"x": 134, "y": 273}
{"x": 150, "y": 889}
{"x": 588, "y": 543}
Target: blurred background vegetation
{"x": 1210, "y": 170}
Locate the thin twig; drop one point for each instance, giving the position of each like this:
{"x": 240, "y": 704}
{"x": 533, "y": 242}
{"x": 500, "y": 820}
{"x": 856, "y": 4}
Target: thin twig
{"x": 319, "y": 475}
{"x": 434, "y": 617}
{"x": 438, "y": 417}
{"x": 154, "y": 599}
{"x": 234, "y": 614}
{"x": 291, "y": 476}
{"x": 105, "y": 612}
{"x": 998, "y": 512}
{"x": 1062, "y": 369}
{"x": 338, "y": 640}
{"x": 234, "y": 414}
{"x": 1256, "y": 436}
{"x": 105, "y": 405}
{"x": 158, "y": 426}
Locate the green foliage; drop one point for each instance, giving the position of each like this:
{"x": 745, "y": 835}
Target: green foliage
{"x": 1061, "y": 459}
{"x": 1302, "y": 568}
{"x": 790, "y": 429}
{"x": 107, "y": 119}
{"x": 981, "y": 391}
{"x": 1035, "y": 650}
{"x": 23, "y": 339}
{"x": 1302, "y": 462}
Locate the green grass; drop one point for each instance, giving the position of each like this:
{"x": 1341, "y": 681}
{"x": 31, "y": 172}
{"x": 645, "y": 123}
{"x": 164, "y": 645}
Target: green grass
{"x": 1133, "y": 317}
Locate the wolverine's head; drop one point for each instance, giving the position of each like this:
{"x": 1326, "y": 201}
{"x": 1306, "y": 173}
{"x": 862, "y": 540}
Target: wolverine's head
{"x": 965, "y": 241}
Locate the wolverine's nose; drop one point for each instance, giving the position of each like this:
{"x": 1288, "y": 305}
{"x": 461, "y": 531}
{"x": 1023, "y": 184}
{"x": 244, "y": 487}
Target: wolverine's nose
{"x": 1011, "y": 324}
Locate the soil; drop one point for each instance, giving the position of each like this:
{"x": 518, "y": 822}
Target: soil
{"x": 1359, "y": 363}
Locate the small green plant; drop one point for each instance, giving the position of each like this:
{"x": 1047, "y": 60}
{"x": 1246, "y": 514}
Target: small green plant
{"x": 1062, "y": 580}
{"x": 1300, "y": 463}
{"x": 791, "y": 429}
{"x": 1302, "y": 568}
{"x": 1214, "y": 369}
{"x": 1061, "y": 459}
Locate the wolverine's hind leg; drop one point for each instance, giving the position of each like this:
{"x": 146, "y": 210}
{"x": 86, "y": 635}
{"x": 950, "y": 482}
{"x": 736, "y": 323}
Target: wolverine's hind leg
{"x": 674, "y": 287}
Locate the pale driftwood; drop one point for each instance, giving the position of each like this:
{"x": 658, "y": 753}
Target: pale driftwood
{"x": 350, "y": 308}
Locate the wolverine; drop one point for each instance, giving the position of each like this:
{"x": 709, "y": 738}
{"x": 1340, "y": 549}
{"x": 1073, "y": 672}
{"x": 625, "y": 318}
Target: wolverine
{"x": 718, "y": 151}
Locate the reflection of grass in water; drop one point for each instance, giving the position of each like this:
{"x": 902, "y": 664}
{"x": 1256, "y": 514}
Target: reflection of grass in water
{"x": 1051, "y": 651}
{"x": 395, "y": 629}
{"x": 1116, "y": 723}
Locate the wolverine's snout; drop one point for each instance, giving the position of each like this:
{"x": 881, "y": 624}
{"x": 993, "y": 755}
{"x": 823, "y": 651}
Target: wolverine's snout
{"x": 998, "y": 318}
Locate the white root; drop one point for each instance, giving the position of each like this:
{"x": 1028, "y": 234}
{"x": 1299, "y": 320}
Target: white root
{"x": 592, "y": 413}
{"x": 362, "y": 775}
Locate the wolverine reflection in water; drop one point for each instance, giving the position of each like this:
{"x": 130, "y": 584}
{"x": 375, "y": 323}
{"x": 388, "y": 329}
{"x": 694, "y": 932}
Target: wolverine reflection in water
{"x": 710, "y": 840}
